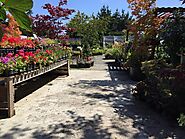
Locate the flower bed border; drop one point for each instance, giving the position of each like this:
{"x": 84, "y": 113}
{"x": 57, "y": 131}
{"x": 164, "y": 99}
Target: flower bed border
{"x": 7, "y": 84}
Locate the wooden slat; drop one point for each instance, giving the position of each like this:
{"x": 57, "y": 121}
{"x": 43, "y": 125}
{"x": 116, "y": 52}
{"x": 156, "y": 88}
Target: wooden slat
{"x": 29, "y": 75}
{"x": 4, "y": 105}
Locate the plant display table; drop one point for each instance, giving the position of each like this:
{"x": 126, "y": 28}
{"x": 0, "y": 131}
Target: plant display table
{"x": 7, "y": 84}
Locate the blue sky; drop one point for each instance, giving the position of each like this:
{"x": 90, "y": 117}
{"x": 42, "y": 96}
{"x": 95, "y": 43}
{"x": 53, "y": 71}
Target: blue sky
{"x": 93, "y": 6}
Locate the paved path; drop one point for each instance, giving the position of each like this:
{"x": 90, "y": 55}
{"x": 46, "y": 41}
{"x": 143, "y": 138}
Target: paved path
{"x": 89, "y": 104}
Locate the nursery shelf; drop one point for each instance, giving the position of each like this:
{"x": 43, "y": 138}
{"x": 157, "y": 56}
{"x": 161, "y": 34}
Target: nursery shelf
{"x": 34, "y": 73}
{"x": 7, "y": 84}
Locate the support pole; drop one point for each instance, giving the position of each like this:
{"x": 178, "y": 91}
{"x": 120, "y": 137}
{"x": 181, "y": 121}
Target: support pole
{"x": 10, "y": 97}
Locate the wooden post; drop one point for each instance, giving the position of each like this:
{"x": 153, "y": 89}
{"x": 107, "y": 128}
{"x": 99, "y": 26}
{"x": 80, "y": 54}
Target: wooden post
{"x": 64, "y": 70}
{"x": 68, "y": 67}
{"x": 10, "y": 97}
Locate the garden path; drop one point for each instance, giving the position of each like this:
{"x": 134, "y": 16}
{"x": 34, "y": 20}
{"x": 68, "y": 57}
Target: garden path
{"x": 91, "y": 103}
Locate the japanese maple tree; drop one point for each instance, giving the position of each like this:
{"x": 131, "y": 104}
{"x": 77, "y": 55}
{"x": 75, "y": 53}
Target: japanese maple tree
{"x": 147, "y": 23}
{"x": 51, "y": 25}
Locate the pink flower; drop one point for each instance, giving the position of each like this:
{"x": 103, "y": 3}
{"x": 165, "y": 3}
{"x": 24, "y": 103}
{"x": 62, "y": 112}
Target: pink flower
{"x": 16, "y": 55}
{"x": 9, "y": 55}
{"x": 21, "y": 53}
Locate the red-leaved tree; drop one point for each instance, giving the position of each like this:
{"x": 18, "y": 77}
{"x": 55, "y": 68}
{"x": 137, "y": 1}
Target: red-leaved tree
{"x": 146, "y": 25}
{"x": 51, "y": 25}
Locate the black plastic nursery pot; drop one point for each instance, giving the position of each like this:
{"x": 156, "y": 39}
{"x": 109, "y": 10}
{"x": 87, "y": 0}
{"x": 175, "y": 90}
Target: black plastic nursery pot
{"x": 8, "y": 73}
{"x": 92, "y": 63}
{"x": 135, "y": 73}
{"x": 84, "y": 65}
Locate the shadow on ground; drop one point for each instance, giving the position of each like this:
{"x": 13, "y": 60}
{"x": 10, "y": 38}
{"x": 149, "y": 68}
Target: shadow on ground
{"x": 24, "y": 89}
{"x": 118, "y": 95}
{"x": 148, "y": 122}
{"x": 91, "y": 129}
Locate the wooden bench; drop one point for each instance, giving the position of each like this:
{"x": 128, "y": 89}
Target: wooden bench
{"x": 7, "y": 84}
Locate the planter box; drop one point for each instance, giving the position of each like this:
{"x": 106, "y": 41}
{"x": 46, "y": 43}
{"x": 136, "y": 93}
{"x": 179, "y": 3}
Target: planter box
{"x": 7, "y": 83}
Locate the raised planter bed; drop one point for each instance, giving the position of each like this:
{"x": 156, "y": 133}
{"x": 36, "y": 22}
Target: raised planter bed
{"x": 7, "y": 84}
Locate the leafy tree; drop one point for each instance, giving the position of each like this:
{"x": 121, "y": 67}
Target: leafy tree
{"x": 116, "y": 21}
{"x": 89, "y": 29}
{"x": 18, "y": 9}
{"x": 146, "y": 25}
{"x": 119, "y": 22}
{"x": 104, "y": 12}
{"x": 173, "y": 36}
{"x": 78, "y": 22}
{"x": 51, "y": 25}
{"x": 92, "y": 28}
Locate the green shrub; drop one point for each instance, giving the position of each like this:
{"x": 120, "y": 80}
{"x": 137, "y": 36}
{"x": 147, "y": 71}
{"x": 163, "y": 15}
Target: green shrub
{"x": 181, "y": 120}
{"x": 173, "y": 36}
{"x": 163, "y": 88}
{"x": 98, "y": 51}
{"x": 116, "y": 52}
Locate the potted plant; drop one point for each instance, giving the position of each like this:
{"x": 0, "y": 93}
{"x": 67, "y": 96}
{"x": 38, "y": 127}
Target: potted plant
{"x": 135, "y": 67}
{"x": 8, "y": 66}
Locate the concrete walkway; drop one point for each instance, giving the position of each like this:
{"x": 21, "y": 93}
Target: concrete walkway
{"x": 91, "y": 103}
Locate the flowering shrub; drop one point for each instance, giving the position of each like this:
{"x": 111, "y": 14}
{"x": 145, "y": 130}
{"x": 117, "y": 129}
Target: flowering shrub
{"x": 24, "y": 60}
{"x": 12, "y": 42}
{"x": 11, "y": 37}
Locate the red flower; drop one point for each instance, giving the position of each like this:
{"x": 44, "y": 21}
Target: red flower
{"x": 11, "y": 40}
{"x": 9, "y": 55}
{"x": 37, "y": 51}
{"x": 25, "y": 57}
{"x": 49, "y": 52}
{"x": 31, "y": 54}
{"x": 21, "y": 53}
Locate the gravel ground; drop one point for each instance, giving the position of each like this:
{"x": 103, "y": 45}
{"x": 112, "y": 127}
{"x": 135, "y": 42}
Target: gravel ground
{"x": 91, "y": 103}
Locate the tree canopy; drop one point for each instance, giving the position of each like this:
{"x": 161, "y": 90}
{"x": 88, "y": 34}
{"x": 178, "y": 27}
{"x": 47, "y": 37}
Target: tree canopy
{"x": 92, "y": 28}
